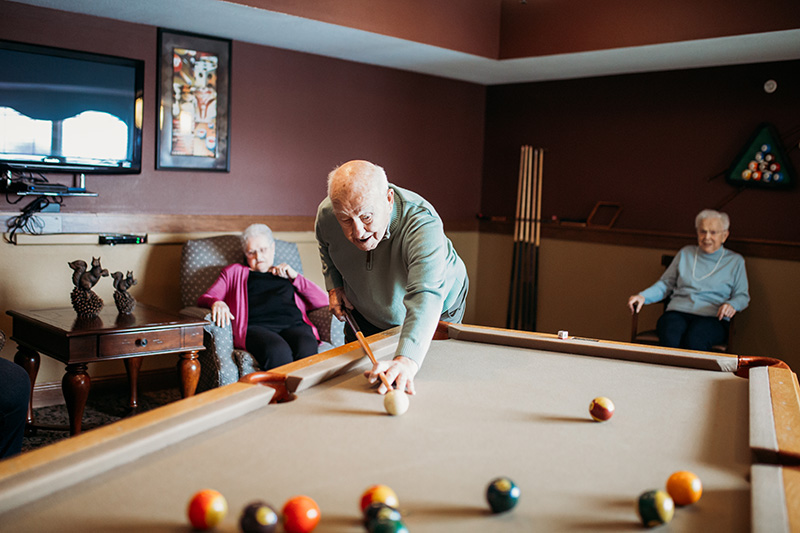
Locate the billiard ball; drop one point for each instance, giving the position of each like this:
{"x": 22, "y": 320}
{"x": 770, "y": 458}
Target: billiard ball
{"x": 206, "y": 509}
{"x": 395, "y": 402}
{"x": 684, "y": 487}
{"x": 379, "y": 493}
{"x": 380, "y": 511}
{"x": 300, "y": 515}
{"x": 601, "y": 409}
{"x": 655, "y": 507}
{"x": 258, "y": 517}
{"x": 386, "y": 525}
{"x": 502, "y": 495}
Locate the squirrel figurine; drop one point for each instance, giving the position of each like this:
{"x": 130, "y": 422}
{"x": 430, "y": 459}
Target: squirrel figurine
{"x": 85, "y": 278}
{"x": 84, "y": 300}
{"x": 124, "y": 301}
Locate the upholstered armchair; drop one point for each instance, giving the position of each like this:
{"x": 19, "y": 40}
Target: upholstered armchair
{"x": 201, "y": 262}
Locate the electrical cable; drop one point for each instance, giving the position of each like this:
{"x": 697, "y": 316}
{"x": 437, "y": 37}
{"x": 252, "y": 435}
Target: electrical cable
{"x": 27, "y": 221}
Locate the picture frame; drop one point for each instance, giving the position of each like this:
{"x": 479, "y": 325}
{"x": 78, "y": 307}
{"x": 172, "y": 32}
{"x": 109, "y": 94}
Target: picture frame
{"x": 193, "y": 107}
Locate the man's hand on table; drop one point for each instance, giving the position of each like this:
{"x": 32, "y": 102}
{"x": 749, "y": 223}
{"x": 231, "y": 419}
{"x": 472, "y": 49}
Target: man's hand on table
{"x": 400, "y": 371}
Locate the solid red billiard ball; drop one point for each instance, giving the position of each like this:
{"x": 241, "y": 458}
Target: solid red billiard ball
{"x": 684, "y": 487}
{"x": 206, "y": 509}
{"x": 258, "y": 517}
{"x": 300, "y": 515}
{"x": 379, "y": 493}
{"x": 601, "y": 409}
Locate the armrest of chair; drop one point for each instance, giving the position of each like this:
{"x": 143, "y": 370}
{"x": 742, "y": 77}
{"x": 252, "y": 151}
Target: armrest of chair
{"x": 329, "y": 327}
{"x": 217, "y": 364}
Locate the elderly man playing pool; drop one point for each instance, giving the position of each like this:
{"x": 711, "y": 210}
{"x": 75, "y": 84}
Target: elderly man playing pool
{"x": 706, "y": 284}
{"x": 385, "y": 256}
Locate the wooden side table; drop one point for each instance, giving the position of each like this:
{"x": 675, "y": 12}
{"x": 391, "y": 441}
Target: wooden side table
{"x": 60, "y": 334}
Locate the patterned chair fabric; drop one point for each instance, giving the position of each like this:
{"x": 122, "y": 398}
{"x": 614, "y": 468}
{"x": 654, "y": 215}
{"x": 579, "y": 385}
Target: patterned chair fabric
{"x": 201, "y": 262}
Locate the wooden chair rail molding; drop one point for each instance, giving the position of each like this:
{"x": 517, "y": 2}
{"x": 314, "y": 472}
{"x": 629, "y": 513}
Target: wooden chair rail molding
{"x": 158, "y": 223}
{"x": 153, "y": 223}
{"x": 789, "y": 251}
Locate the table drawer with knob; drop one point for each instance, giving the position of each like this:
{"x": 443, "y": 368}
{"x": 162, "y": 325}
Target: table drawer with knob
{"x": 142, "y": 342}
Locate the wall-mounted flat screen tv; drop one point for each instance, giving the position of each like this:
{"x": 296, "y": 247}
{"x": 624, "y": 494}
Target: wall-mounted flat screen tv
{"x": 69, "y": 111}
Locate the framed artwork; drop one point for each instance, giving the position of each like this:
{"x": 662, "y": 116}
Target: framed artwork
{"x": 194, "y": 83}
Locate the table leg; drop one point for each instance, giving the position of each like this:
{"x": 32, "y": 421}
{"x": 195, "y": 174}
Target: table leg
{"x": 189, "y": 371}
{"x": 132, "y": 366}
{"x": 75, "y": 386}
{"x": 29, "y": 360}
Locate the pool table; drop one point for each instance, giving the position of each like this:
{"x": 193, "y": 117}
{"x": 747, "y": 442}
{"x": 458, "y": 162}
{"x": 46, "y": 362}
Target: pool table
{"x": 489, "y": 403}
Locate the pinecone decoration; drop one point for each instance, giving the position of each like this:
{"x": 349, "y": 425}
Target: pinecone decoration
{"x": 86, "y": 303}
{"x": 124, "y": 302}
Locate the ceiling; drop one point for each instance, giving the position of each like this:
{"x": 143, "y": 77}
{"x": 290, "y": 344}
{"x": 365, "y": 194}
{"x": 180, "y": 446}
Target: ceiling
{"x": 259, "y": 26}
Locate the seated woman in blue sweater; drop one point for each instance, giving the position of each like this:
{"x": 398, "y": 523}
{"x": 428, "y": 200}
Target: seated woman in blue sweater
{"x": 706, "y": 285}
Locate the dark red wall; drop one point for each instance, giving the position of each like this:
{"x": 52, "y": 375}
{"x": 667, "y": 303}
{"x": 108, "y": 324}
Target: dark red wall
{"x": 544, "y": 27}
{"x": 471, "y": 26}
{"x": 650, "y": 142}
{"x": 294, "y": 117}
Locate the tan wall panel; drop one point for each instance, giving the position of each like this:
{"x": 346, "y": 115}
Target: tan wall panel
{"x": 36, "y": 276}
{"x": 583, "y": 288}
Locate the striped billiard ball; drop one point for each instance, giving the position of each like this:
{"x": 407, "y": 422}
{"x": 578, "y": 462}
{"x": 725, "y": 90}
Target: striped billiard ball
{"x": 601, "y": 409}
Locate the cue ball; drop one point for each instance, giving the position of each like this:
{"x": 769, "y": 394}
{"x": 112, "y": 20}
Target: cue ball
{"x": 684, "y": 487}
{"x": 601, "y": 409}
{"x": 379, "y": 493}
{"x": 300, "y": 515}
{"x": 395, "y": 402}
{"x": 206, "y": 509}
{"x": 258, "y": 517}
{"x": 655, "y": 507}
{"x": 502, "y": 495}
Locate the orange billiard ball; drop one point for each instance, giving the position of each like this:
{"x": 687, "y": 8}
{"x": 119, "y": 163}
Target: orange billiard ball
{"x": 206, "y": 509}
{"x": 601, "y": 409}
{"x": 684, "y": 487}
{"x": 300, "y": 515}
{"x": 379, "y": 493}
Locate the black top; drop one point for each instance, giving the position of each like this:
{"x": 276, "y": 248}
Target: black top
{"x": 270, "y": 302}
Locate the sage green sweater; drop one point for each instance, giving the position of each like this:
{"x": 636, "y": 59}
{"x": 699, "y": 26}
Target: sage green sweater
{"x": 410, "y": 278}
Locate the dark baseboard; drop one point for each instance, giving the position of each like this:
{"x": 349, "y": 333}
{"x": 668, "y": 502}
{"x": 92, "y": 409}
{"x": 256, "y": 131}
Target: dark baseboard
{"x": 49, "y": 393}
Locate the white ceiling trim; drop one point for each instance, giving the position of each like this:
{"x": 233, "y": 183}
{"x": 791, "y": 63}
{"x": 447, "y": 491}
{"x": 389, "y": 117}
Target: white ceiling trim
{"x": 258, "y": 26}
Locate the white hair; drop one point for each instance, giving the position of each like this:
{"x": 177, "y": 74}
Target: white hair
{"x": 358, "y": 177}
{"x": 256, "y": 230}
{"x": 710, "y": 213}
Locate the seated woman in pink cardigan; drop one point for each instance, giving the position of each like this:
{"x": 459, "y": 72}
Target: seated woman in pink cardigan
{"x": 266, "y": 304}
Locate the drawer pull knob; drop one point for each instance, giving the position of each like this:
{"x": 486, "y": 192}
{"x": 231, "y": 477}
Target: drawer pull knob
{"x": 141, "y": 342}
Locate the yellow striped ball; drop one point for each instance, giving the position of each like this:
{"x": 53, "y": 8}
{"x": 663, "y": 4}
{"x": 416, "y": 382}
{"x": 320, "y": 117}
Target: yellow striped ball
{"x": 601, "y": 409}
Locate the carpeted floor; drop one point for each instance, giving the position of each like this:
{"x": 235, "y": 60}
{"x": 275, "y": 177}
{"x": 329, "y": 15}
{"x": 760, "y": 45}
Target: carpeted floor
{"x": 102, "y": 407}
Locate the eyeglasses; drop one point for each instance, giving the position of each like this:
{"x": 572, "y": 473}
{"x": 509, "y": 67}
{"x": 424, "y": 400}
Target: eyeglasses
{"x": 254, "y": 253}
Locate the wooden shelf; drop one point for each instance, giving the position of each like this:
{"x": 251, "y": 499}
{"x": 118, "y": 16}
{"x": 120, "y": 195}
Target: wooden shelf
{"x": 789, "y": 251}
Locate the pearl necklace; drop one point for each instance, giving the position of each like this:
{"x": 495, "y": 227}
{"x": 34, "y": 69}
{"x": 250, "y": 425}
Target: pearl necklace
{"x": 712, "y": 270}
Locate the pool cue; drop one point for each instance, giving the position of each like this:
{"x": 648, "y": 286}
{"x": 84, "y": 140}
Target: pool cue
{"x": 516, "y": 295}
{"x": 511, "y": 310}
{"x": 536, "y": 237}
{"x": 530, "y": 216}
{"x": 363, "y": 342}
